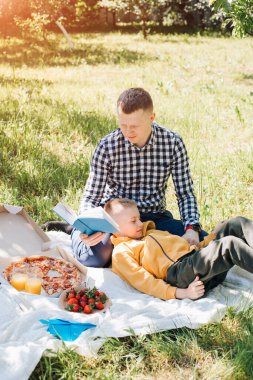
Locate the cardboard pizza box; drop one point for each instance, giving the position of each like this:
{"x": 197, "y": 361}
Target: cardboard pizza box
{"x": 20, "y": 237}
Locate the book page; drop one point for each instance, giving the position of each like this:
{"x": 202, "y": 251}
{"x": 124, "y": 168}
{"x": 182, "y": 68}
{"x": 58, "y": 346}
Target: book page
{"x": 65, "y": 212}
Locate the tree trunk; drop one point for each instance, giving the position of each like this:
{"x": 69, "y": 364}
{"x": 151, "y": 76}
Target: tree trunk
{"x": 114, "y": 19}
{"x": 144, "y": 23}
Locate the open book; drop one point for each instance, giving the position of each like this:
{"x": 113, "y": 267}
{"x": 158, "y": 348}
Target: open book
{"x": 93, "y": 220}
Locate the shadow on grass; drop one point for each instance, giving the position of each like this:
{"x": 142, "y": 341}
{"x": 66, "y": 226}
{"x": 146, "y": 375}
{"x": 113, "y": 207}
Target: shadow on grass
{"x": 46, "y": 54}
{"x": 92, "y": 126}
{"x": 45, "y": 115}
{"x": 36, "y": 176}
{"x": 30, "y": 83}
{"x": 33, "y": 170}
{"x": 248, "y": 77}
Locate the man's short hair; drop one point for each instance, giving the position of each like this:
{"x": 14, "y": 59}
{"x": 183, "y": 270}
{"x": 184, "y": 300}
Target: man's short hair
{"x": 124, "y": 202}
{"x": 134, "y": 99}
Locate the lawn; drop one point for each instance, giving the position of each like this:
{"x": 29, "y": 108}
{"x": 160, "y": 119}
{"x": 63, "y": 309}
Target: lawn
{"x": 55, "y": 105}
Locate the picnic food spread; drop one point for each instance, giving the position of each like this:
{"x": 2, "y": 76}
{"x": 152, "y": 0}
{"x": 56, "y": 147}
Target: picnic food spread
{"x": 56, "y": 274}
{"x": 84, "y": 300}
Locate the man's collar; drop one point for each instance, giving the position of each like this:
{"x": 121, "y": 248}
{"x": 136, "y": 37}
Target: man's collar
{"x": 151, "y": 140}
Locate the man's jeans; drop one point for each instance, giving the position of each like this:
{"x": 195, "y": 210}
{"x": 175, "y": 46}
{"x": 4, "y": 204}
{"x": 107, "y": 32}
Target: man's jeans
{"x": 233, "y": 246}
{"x": 100, "y": 254}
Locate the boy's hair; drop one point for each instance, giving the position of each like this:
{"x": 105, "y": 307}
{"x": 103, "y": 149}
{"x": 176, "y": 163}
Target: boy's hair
{"x": 134, "y": 99}
{"x": 125, "y": 202}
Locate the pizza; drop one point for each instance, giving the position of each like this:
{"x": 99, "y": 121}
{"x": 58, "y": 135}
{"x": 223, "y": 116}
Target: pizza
{"x": 57, "y": 274}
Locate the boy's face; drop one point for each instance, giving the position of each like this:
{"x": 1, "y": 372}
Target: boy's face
{"x": 136, "y": 126}
{"x": 128, "y": 220}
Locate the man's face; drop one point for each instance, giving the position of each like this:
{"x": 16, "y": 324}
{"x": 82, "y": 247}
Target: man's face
{"x": 128, "y": 220}
{"x": 136, "y": 126}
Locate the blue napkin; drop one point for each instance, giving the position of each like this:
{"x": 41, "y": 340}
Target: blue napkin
{"x": 66, "y": 330}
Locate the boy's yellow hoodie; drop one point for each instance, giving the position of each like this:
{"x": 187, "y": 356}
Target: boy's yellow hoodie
{"x": 144, "y": 263}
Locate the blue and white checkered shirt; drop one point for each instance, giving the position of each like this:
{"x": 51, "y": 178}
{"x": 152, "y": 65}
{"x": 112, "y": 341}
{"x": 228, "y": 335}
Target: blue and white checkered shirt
{"x": 120, "y": 169}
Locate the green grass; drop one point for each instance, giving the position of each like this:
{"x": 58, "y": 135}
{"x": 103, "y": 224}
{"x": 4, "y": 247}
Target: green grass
{"x": 216, "y": 351}
{"x": 56, "y": 103}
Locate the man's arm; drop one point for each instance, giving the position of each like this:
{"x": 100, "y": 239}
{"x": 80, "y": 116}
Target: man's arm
{"x": 183, "y": 184}
{"x": 95, "y": 185}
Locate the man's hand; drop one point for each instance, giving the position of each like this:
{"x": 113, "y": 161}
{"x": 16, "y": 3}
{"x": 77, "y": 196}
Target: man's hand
{"x": 219, "y": 226}
{"x": 192, "y": 237}
{"x": 93, "y": 239}
{"x": 195, "y": 290}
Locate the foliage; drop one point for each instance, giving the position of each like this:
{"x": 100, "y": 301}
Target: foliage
{"x": 195, "y": 13}
{"x": 86, "y": 12}
{"x": 33, "y": 26}
{"x": 34, "y": 16}
{"x": 142, "y": 9}
{"x": 239, "y": 15}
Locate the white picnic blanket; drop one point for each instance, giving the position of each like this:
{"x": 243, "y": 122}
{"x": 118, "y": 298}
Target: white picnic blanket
{"x": 23, "y": 338}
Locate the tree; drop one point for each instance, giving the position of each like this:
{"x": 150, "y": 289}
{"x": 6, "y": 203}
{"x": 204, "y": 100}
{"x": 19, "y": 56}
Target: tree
{"x": 239, "y": 14}
{"x": 33, "y": 17}
{"x": 194, "y": 14}
{"x": 144, "y": 10}
{"x": 161, "y": 10}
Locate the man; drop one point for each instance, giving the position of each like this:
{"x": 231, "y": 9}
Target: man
{"x": 135, "y": 161}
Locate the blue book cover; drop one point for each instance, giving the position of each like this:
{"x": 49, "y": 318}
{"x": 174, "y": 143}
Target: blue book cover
{"x": 92, "y": 220}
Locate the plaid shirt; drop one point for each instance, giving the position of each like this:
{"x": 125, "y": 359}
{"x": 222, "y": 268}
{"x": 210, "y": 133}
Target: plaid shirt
{"x": 120, "y": 169}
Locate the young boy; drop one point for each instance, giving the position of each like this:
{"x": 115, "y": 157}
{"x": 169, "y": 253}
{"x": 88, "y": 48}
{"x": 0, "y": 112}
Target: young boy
{"x": 167, "y": 266}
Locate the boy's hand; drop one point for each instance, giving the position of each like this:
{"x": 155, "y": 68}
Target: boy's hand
{"x": 192, "y": 237}
{"x": 195, "y": 290}
{"x": 93, "y": 239}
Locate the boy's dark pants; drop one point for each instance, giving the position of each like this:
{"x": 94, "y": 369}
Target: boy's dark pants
{"x": 233, "y": 246}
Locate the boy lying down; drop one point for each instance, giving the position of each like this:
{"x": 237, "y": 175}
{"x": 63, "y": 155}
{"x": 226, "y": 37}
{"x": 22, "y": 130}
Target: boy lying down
{"x": 167, "y": 266}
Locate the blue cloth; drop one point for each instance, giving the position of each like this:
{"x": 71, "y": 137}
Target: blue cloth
{"x": 66, "y": 330}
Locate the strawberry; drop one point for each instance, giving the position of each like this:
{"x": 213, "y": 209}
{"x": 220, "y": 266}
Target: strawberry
{"x": 91, "y": 301}
{"x": 99, "y": 306}
{"x": 78, "y": 297}
{"x": 73, "y": 301}
{"x": 83, "y": 303}
{"x": 96, "y": 293}
{"x": 84, "y": 298}
{"x": 75, "y": 308}
{"x": 70, "y": 295}
{"x": 87, "y": 309}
